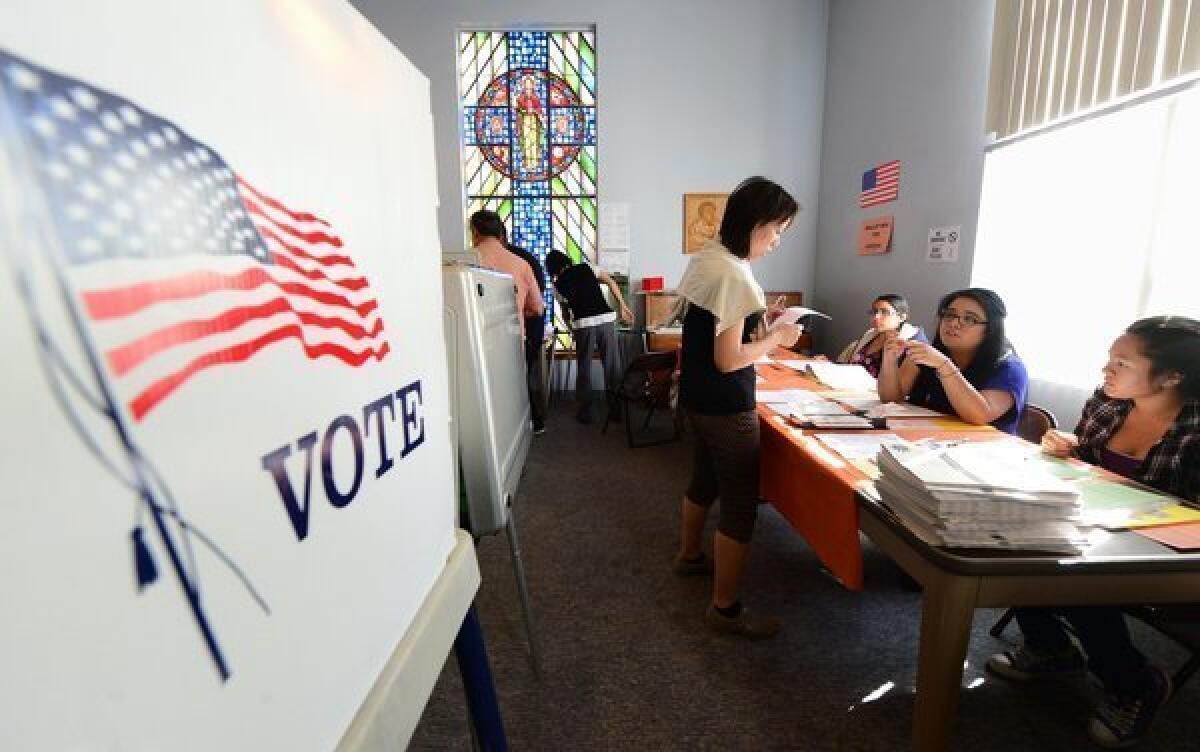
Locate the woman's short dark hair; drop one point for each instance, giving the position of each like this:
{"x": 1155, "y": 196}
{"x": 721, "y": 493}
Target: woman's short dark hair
{"x": 898, "y": 302}
{"x": 488, "y": 224}
{"x": 995, "y": 345}
{"x": 556, "y": 261}
{"x": 756, "y": 201}
{"x": 1172, "y": 343}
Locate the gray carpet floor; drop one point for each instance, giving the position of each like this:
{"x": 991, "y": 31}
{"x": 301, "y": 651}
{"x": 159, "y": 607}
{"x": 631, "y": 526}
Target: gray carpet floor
{"x": 629, "y": 664}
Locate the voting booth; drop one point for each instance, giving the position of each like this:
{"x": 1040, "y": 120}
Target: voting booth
{"x": 229, "y": 516}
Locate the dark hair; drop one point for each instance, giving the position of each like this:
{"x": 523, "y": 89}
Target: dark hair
{"x": 556, "y": 261}
{"x": 1172, "y": 343}
{"x": 995, "y": 345}
{"x": 756, "y": 201}
{"x": 895, "y": 301}
{"x": 489, "y": 225}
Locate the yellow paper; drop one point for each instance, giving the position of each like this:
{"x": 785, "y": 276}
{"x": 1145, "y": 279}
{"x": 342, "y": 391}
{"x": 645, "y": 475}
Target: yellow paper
{"x": 1172, "y": 515}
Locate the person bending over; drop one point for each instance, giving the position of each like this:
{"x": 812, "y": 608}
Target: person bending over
{"x": 971, "y": 370}
{"x": 723, "y": 307}
{"x": 1143, "y": 422}
{"x": 593, "y": 323}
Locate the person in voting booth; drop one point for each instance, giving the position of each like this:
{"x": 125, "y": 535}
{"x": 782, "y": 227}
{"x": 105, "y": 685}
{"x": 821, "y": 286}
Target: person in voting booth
{"x": 971, "y": 370}
{"x": 593, "y": 322}
{"x": 723, "y": 309}
{"x": 1143, "y": 422}
{"x": 889, "y": 320}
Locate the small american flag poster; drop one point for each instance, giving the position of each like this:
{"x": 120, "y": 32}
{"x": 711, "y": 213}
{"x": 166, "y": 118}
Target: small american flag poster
{"x": 880, "y": 184}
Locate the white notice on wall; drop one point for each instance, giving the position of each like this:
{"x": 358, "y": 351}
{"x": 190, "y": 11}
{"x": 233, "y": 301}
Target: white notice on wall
{"x": 614, "y": 226}
{"x": 615, "y": 261}
{"x": 943, "y": 244}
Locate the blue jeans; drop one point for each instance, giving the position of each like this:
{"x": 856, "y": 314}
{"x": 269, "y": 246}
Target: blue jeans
{"x": 1102, "y": 632}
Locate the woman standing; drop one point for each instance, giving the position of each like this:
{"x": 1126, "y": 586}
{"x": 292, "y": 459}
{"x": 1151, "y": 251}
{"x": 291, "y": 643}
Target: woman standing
{"x": 722, "y": 337}
{"x": 1143, "y": 423}
{"x": 889, "y": 320}
{"x": 971, "y": 370}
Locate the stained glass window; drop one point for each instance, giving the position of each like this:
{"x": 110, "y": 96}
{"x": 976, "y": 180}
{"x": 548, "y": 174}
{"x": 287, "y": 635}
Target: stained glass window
{"x": 528, "y": 102}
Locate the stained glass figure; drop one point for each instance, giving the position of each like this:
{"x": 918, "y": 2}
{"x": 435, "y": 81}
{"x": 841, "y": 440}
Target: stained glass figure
{"x": 528, "y": 102}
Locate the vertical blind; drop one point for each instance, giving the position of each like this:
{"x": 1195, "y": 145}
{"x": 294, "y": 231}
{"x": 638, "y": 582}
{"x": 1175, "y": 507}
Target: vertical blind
{"x": 1054, "y": 58}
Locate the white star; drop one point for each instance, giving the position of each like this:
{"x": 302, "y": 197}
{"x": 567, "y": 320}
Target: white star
{"x": 139, "y": 147}
{"x": 171, "y": 134}
{"x": 126, "y": 161}
{"x": 90, "y": 246}
{"x": 90, "y": 191}
{"x": 113, "y": 177}
{"x": 43, "y": 125}
{"x": 156, "y": 140}
{"x": 110, "y": 121}
{"x": 77, "y": 154}
{"x": 23, "y": 78}
{"x": 84, "y": 98}
{"x": 130, "y": 115}
{"x": 58, "y": 170}
{"x": 95, "y": 136}
{"x": 62, "y": 108}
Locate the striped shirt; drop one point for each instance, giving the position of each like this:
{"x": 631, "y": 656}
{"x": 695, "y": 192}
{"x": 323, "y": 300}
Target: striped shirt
{"x": 1172, "y": 465}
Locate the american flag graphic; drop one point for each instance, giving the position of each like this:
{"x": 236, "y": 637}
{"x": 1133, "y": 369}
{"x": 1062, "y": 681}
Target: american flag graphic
{"x": 179, "y": 263}
{"x": 880, "y": 184}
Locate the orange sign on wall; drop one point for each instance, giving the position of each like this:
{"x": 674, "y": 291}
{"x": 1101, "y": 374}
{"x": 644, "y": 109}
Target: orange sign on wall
{"x": 875, "y": 236}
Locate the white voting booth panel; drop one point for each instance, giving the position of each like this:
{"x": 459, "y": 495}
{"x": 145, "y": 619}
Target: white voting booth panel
{"x": 487, "y": 378}
{"x": 228, "y": 519}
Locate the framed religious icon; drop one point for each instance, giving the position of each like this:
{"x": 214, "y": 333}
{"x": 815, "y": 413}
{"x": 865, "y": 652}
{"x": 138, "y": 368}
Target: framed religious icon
{"x": 702, "y": 214}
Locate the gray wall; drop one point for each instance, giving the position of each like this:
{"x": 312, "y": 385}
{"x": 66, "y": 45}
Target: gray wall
{"x": 907, "y": 80}
{"x": 694, "y": 96}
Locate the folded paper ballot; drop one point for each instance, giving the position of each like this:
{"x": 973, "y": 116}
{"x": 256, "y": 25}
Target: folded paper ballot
{"x": 793, "y": 314}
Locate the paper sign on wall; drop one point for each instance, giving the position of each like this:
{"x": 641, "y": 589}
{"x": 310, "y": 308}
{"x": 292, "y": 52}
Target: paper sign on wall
{"x": 943, "y": 244}
{"x": 875, "y": 236}
{"x": 614, "y": 226}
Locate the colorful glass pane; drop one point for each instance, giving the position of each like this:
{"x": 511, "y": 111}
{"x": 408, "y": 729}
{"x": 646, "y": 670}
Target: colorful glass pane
{"x": 528, "y": 102}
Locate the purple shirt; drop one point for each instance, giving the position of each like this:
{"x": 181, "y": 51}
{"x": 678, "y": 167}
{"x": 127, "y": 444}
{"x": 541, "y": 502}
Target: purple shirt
{"x": 1009, "y": 375}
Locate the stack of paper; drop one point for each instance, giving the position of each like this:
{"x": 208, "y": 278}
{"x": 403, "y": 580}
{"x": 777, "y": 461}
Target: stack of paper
{"x": 979, "y": 495}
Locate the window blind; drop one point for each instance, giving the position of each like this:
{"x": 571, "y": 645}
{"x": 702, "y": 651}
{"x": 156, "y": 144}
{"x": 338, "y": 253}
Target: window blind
{"x": 1054, "y": 58}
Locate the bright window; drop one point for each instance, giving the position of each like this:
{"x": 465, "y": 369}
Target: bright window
{"x": 1088, "y": 227}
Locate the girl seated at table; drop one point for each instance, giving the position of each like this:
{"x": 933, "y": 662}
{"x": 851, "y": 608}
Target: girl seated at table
{"x": 971, "y": 370}
{"x": 1143, "y": 422}
{"x": 889, "y": 320}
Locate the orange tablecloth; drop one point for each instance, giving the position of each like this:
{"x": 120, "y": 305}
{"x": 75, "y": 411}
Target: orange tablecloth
{"x": 813, "y": 487}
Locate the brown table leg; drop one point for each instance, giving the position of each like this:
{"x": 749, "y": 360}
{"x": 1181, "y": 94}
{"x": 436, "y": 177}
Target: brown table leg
{"x": 946, "y": 613}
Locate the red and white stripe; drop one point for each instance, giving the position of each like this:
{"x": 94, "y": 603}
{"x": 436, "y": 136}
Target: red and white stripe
{"x": 185, "y": 315}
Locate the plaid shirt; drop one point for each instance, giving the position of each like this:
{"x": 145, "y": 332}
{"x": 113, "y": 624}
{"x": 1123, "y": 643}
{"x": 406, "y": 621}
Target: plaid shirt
{"x": 1172, "y": 465}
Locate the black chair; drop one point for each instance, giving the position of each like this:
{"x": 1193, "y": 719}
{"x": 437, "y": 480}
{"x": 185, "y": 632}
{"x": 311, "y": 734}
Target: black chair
{"x": 650, "y": 381}
{"x": 1035, "y": 422}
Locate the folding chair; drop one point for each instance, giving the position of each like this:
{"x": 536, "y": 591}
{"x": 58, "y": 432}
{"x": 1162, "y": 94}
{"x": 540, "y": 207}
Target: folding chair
{"x": 649, "y": 382}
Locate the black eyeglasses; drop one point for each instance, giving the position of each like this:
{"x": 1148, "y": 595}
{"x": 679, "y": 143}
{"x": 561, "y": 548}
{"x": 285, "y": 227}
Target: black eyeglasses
{"x": 965, "y": 319}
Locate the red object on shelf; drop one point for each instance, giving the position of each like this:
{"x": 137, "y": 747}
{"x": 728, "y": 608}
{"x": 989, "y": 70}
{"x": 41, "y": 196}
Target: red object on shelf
{"x": 652, "y": 284}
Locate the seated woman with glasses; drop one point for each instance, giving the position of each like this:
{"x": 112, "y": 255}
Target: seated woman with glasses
{"x": 1143, "y": 423}
{"x": 971, "y": 370}
{"x": 889, "y": 320}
